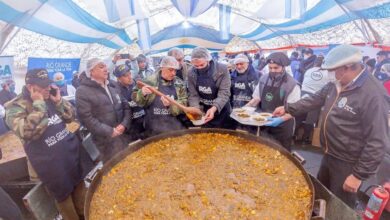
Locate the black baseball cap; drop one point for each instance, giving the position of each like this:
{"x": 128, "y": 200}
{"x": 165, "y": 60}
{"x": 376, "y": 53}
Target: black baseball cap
{"x": 38, "y": 77}
{"x": 278, "y": 58}
{"x": 121, "y": 70}
{"x": 382, "y": 53}
{"x": 307, "y": 51}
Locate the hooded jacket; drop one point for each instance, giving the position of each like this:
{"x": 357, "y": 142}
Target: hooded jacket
{"x": 96, "y": 111}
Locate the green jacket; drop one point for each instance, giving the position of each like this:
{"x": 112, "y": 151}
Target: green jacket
{"x": 29, "y": 119}
{"x": 153, "y": 80}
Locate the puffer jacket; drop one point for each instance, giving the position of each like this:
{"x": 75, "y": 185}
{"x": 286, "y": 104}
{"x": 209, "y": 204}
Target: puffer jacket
{"x": 355, "y": 127}
{"x": 99, "y": 115}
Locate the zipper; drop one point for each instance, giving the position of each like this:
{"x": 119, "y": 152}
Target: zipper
{"x": 326, "y": 119}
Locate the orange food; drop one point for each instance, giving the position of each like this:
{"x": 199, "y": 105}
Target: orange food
{"x": 203, "y": 176}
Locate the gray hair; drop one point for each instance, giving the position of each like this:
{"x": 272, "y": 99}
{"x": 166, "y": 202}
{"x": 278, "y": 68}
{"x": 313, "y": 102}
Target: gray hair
{"x": 91, "y": 64}
{"x": 58, "y": 74}
{"x": 200, "y": 53}
{"x": 169, "y": 62}
{"x": 176, "y": 52}
{"x": 241, "y": 58}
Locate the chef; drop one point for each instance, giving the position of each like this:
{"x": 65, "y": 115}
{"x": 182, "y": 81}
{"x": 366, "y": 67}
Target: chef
{"x": 209, "y": 89}
{"x": 161, "y": 115}
{"x": 275, "y": 89}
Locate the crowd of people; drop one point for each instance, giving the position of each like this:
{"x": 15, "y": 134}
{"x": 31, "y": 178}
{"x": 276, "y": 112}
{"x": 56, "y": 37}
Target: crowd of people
{"x": 346, "y": 87}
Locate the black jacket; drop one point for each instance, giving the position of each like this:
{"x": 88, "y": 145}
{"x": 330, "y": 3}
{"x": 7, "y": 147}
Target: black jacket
{"x": 6, "y": 96}
{"x": 305, "y": 65}
{"x": 355, "y": 126}
{"x": 97, "y": 113}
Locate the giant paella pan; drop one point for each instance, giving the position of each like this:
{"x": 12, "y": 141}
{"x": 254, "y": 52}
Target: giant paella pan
{"x": 201, "y": 174}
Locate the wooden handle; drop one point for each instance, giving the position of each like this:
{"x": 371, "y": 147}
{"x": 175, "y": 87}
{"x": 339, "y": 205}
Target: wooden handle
{"x": 155, "y": 91}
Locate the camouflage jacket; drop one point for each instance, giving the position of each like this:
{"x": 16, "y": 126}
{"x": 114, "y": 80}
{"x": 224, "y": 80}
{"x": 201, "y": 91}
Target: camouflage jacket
{"x": 154, "y": 80}
{"x": 29, "y": 119}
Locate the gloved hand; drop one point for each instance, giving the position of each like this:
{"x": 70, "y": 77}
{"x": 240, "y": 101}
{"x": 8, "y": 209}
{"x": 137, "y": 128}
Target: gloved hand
{"x": 274, "y": 122}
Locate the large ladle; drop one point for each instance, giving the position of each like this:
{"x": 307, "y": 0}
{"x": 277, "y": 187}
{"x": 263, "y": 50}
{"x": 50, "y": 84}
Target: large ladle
{"x": 191, "y": 112}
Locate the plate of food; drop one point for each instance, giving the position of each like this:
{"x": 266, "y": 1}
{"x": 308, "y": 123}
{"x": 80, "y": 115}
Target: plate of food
{"x": 249, "y": 110}
{"x": 239, "y": 110}
{"x": 259, "y": 118}
{"x": 265, "y": 114}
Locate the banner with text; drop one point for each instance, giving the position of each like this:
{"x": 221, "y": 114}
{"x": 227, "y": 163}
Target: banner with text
{"x": 6, "y": 68}
{"x": 54, "y": 65}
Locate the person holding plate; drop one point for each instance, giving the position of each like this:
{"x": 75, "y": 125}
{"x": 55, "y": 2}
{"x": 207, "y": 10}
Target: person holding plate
{"x": 275, "y": 89}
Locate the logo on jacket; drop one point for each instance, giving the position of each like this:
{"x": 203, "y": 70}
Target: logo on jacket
{"x": 269, "y": 96}
{"x": 343, "y": 104}
{"x": 133, "y": 104}
{"x": 54, "y": 120}
{"x": 171, "y": 96}
{"x": 205, "y": 90}
{"x": 316, "y": 75}
{"x": 239, "y": 86}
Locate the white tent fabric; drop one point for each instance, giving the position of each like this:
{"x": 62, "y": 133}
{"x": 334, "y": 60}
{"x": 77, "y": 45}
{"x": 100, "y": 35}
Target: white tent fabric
{"x": 99, "y": 28}
{"x": 286, "y": 9}
{"x": 71, "y": 23}
{"x": 324, "y": 15}
{"x": 192, "y": 8}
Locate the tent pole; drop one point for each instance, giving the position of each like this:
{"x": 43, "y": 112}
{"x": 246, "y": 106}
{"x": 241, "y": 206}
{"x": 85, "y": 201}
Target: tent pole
{"x": 5, "y": 32}
{"x": 364, "y": 33}
{"x": 377, "y": 37}
{"x": 10, "y": 39}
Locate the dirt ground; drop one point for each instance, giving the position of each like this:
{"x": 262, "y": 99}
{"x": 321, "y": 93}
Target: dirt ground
{"x": 12, "y": 147}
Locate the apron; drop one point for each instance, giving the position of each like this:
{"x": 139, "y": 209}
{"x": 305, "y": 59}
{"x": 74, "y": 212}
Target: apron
{"x": 64, "y": 90}
{"x": 158, "y": 118}
{"x": 136, "y": 129}
{"x": 242, "y": 92}
{"x": 208, "y": 91}
{"x": 136, "y": 111}
{"x": 55, "y": 156}
{"x": 271, "y": 99}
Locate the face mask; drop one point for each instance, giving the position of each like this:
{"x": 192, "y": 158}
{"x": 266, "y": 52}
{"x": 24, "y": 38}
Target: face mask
{"x": 306, "y": 57}
{"x": 204, "y": 69}
{"x": 60, "y": 82}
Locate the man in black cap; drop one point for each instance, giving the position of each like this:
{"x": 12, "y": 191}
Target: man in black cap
{"x": 306, "y": 63}
{"x": 275, "y": 89}
{"x": 126, "y": 85}
{"x": 38, "y": 116}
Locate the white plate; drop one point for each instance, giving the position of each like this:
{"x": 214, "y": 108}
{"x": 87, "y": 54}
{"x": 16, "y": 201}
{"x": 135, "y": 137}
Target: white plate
{"x": 265, "y": 114}
{"x": 199, "y": 122}
{"x": 249, "y": 110}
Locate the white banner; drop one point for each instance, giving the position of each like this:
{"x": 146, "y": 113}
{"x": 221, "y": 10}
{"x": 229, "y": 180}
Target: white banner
{"x": 6, "y": 68}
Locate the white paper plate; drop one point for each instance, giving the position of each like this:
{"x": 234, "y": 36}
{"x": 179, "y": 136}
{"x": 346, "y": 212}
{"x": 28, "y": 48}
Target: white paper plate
{"x": 199, "y": 122}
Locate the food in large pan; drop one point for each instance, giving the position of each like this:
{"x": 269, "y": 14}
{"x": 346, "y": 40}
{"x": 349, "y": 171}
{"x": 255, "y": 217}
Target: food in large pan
{"x": 203, "y": 176}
